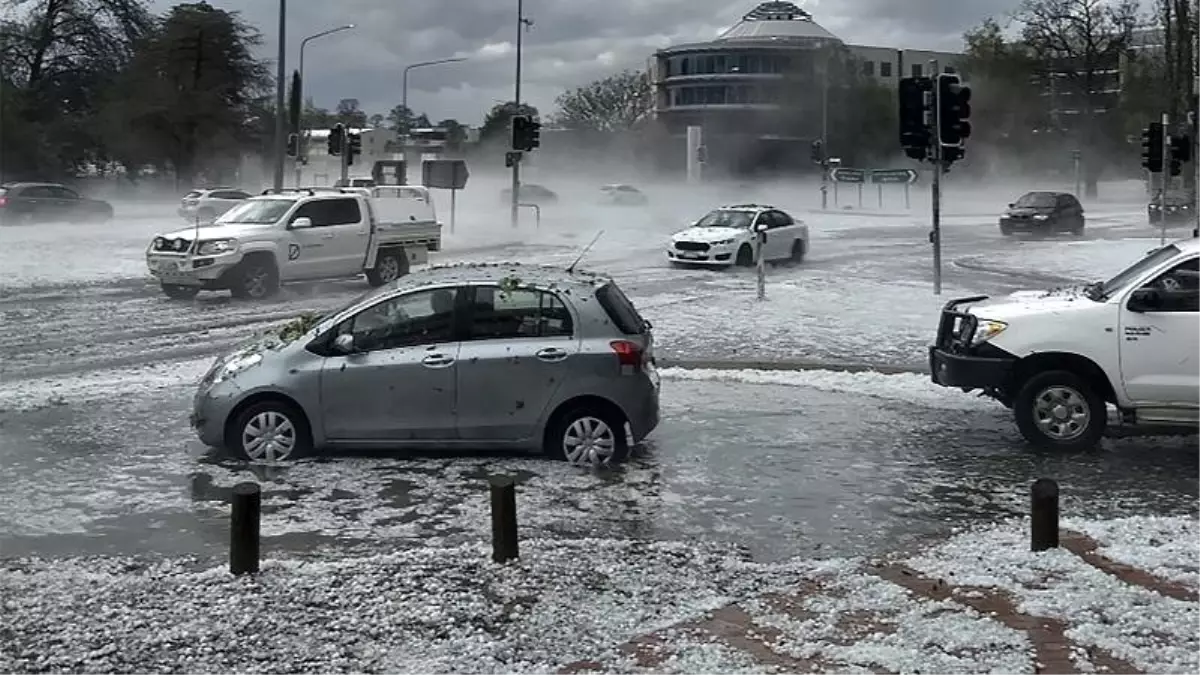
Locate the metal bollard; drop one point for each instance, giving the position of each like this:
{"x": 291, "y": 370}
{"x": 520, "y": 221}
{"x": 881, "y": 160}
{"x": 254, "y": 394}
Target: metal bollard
{"x": 1043, "y": 515}
{"x": 504, "y": 518}
{"x": 245, "y": 520}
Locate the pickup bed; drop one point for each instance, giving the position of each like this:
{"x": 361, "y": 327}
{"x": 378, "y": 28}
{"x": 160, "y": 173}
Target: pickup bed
{"x": 296, "y": 235}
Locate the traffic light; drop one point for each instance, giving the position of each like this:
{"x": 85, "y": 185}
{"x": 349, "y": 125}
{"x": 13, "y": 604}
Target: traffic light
{"x": 818, "y": 152}
{"x": 1181, "y": 151}
{"x": 954, "y": 113}
{"x": 526, "y": 133}
{"x": 1152, "y": 148}
{"x": 293, "y": 145}
{"x": 914, "y": 126}
{"x": 353, "y": 147}
{"x": 337, "y": 135}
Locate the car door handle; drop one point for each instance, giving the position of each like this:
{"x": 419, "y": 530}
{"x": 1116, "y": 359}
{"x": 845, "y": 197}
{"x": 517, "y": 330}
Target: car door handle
{"x": 328, "y": 236}
{"x": 437, "y": 361}
{"x": 551, "y": 354}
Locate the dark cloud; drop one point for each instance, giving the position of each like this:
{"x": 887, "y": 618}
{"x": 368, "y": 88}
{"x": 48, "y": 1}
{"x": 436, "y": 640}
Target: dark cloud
{"x": 571, "y": 43}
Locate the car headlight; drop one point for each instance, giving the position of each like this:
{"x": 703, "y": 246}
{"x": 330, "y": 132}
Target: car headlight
{"x": 235, "y": 366}
{"x": 723, "y": 242}
{"x": 216, "y": 246}
{"x": 1041, "y": 217}
{"x": 986, "y": 329}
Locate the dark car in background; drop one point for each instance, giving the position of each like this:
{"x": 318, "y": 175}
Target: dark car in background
{"x": 45, "y": 202}
{"x": 622, "y": 195}
{"x": 1043, "y": 213}
{"x": 1176, "y": 207}
{"x": 530, "y": 193}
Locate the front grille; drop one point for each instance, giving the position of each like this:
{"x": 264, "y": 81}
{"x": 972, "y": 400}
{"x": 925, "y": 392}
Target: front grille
{"x": 178, "y": 245}
{"x": 955, "y": 329}
{"x": 691, "y": 246}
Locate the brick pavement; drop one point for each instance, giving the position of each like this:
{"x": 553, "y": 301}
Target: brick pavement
{"x": 734, "y": 627}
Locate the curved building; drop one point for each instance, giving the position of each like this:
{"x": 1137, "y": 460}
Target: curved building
{"x": 760, "y": 90}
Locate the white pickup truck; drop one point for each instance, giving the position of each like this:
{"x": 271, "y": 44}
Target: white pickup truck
{"x": 296, "y": 235}
{"x": 1058, "y": 358}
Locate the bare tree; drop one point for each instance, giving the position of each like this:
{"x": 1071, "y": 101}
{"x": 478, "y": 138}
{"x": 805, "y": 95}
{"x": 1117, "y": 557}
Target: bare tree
{"x": 1177, "y": 21}
{"x": 1080, "y": 44}
{"x": 615, "y": 103}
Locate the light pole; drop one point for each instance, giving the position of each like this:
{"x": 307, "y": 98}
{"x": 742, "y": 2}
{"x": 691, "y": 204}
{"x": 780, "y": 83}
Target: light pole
{"x": 280, "y": 116}
{"x": 422, "y": 64}
{"x": 301, "y": 141}
{"x": 522, "y": 25}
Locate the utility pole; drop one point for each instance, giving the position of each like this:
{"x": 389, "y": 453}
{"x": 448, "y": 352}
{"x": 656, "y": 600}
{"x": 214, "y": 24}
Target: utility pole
{"x": 935, "y": 190}
{"x": 516, "y": 165}
{"x": 1166, "y": 174}
{"x": 280, "y": 97}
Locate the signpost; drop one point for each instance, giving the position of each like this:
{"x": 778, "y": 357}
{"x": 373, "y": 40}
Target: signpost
{"x": 856, "y": 176}
{"x": 905, "y": 177}
{"x": 446, "y": 174}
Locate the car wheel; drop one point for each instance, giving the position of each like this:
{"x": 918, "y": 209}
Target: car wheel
{"x": 799, "y": 248}
{"x": 1006, "y": 231}
{"x": 588, "y": 436}
{"x": 1059, "y": 410}
{"x": 177, "y": 292}
{"x": 745, "y": 256}
{"x": 257, "y": 279}
{"x": 389, "y": 266}
{"x": 270, "y": 431}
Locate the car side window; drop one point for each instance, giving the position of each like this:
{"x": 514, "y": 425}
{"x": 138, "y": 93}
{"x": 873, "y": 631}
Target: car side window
{"x": 1178, "y": 287}
{"x": 521, "y": 313}
{"x": 37, "y": 192}
{"x": 409, "y": 320}
{"x": 63, "y": 193}
{"x": 229, "y": 194}
{"x": 781, "y": 219}
{"x": 343, "y": 212}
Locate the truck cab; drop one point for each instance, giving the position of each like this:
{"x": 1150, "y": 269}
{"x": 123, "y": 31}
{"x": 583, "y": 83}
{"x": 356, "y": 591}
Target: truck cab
{"x": 295, "y": 235}
{"x": 1059, "y": 358}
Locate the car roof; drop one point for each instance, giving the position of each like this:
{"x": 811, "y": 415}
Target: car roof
{"x": 483, "y": 273}
{"x": 30, "y": 184}
{"x": 745, "y": 207}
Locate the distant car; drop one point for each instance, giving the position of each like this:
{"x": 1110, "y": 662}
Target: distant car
{"x": 1177, "y": 207}
{"x": 1043, "y": 213}
{"x": 41, "y": 202}
{"x": 481, "y": 357}
{"x": 530, "y": 193}
{"x": 623, "y": 195}
{"x": 208, "y": 203}
{"x": 726, "y": 236}
{"x": 355, "y": 181}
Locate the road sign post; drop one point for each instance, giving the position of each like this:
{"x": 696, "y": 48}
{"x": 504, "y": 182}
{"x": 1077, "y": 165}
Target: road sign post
{"x": 842, "y": 175}
{"x": 446, "y": 174}
{"x": 905, "y": 177}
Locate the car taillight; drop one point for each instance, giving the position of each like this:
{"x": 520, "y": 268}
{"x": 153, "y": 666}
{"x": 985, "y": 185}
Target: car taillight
{"x": 3, "y": 201}
{"x": 628, "y": 353}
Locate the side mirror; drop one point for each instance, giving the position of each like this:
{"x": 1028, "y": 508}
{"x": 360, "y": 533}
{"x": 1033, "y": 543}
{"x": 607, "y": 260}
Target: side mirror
{"x": 301, "y": 223}
{"x": 760, "y": 227}
{"x": 1144, "y": 300}
{"x": 344, "y": 343}
{"x": 1011, "y": 204}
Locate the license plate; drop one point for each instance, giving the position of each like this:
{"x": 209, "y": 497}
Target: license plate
{"x": 690, "y": 255}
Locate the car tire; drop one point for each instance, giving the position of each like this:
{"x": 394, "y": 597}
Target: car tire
{"x": 799, "y": 248}
{"x": 292, "y": 435}
{"x": 745, "y": 256}
{"x": 177, "y": 292}
{"x": 389, "y": 266}
{"x": 568, "y": 437}
{"x": 255, "y": 279}
{"x": 1059, "y": 410}
{"x": 1006, "y": 231}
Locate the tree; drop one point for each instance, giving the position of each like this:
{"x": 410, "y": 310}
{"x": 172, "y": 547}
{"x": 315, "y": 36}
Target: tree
{"x": 316, "y": 118}
{"x": 376, "y": 121}
{"x": 190, "y": 91}
{"x": 1177, "y": 21}
{"x": 615, "y": 103}
{"x": 456, "y": 133}
{"x": 495, "y": 125}
{"x": 1080, "y": 44}
{"x": 402, "y": 120}
{"x": 349, "y": 114}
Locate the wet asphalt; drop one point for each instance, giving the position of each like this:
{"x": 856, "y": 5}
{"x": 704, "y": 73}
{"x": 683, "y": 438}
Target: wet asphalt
{"x": 782, "y": 470}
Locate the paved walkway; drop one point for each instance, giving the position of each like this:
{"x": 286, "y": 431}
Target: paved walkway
{"x": 733, "y": 626}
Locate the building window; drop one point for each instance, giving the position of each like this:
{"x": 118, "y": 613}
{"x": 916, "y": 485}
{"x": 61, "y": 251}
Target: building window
{"x": 666, "y": 67}
{"x": 949, "y": 69}
{"x": 868, "y": 68}
{"x": 683, "y": 67}
{"x": 885, "y": 68}
{"x": 916, "y": 70}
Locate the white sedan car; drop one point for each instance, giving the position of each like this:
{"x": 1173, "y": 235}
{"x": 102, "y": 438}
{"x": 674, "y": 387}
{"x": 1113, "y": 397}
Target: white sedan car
{"x": 726, "y": 236}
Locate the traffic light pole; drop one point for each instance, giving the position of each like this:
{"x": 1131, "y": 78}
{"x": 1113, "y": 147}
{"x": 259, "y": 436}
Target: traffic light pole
{"x": 935, "y": 190}
{"x": 344, "y": 159}
{"x": 513, "y": 215}
{"x": 1166, "y": 175}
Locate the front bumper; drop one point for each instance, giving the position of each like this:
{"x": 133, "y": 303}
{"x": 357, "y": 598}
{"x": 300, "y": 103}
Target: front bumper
{"x": 955, "y": 362}
{"x": 1025, "y": 224}
{"x": 189, "y": 270}
{"x": 714, "y": 255}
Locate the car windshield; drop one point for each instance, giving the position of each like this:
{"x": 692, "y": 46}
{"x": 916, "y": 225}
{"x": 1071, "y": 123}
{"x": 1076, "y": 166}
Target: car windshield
{"x": 1130, "y": 274}
{"x": 738, "y": 219}
{"x": 192, "y": 194}
{"x": 257, "y": 211}
{"x": 1036, "y": 200}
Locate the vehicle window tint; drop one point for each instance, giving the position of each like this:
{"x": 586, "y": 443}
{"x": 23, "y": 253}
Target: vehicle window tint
{"x": 37, "y": 192}
{"x": 193, "y": 194}
{"x": 229, "y": 194}
{"x": 315, "y": 211}
{"x": 519, "y": 313}
{"x": 780, "y": 219}
{"x": 343, "y": 212}
{"x": 62, "y": 193}
{"x": 1179, "y": 287}
{"x": 620, "y": 310}
{"x": 409, "y": 320}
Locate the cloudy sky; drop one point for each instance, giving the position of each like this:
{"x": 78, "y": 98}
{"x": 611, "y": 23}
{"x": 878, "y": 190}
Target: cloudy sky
{"x": 571, "y": 43}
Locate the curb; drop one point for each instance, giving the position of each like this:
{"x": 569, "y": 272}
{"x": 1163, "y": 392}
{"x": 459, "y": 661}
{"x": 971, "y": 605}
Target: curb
{"x": 794, "y": 365}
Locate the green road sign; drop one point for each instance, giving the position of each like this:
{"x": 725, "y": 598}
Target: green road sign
{"x": 893, "y": 176}
{"x": 848, "y": 175}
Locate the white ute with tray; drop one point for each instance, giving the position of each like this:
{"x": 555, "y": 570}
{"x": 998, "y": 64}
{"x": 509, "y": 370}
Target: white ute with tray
{"x": 305, "y": 234}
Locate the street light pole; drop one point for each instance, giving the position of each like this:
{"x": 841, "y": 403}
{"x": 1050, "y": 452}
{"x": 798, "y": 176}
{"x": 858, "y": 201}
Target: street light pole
{"x": 280, "y": 85}
{"x": 522, "y": 23}
{"x": 301, "y": 141}
{"x": 422, "y": 64}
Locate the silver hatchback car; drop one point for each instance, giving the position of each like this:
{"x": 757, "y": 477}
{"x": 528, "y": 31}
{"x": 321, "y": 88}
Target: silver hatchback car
{"x": 469, "y": 356}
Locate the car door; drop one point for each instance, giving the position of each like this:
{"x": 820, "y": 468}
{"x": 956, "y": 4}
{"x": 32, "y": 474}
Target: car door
{"x": 517, "y": 349}
{"x": 400, "y": 382}
{"x": 1159, "y": 349}
{"x": 39, "y": 203}
{"x": 313, "y": 251}
{"x": 350, "y": 227}
{"x": 783, "y": 232}
{"x": 66, "y": 204}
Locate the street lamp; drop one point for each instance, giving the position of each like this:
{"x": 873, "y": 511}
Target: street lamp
{"x": 422, "y": 64}
{"x": 301, "y": 143}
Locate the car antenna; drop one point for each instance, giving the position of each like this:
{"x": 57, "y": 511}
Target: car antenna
{"x": 571, "y": 267}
